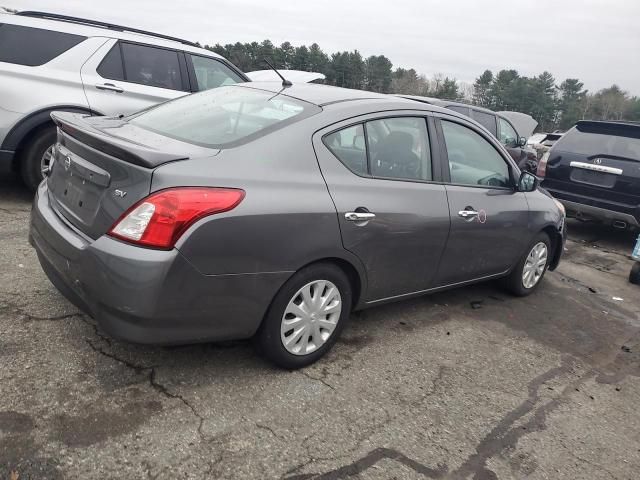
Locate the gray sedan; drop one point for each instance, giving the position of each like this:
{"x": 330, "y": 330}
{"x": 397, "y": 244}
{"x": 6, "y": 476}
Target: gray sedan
{"x": 256, "y": 210}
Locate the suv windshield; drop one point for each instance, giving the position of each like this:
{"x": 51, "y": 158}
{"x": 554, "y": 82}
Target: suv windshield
{"x": 602, "y": 139}
{"x": 225, "y": 116}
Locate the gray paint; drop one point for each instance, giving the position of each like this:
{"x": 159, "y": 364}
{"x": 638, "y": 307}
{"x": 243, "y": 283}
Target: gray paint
{"x": 219, "y": 280}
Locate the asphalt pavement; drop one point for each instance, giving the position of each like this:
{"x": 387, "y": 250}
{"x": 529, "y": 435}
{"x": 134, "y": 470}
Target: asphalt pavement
{"x": 470, "y": 383}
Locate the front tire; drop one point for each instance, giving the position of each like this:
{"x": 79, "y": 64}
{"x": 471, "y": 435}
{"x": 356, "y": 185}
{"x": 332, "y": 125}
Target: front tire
{"x": 36, "y": 156}
{"x": 530, "y": 270}
{"x": 306, "y": 316}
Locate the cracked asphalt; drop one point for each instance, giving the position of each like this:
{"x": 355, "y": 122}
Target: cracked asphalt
{"x": 470, "y": 383}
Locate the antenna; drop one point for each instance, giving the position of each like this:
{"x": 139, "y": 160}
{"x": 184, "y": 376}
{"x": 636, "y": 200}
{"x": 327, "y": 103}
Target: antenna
{"x": 285, "y": 82}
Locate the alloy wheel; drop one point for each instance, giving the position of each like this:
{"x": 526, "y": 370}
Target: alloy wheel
{"x": 45, "y": 161}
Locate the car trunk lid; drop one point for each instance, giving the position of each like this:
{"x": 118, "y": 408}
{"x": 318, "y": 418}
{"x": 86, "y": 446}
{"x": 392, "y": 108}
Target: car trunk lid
{"x": 102, "y": 166}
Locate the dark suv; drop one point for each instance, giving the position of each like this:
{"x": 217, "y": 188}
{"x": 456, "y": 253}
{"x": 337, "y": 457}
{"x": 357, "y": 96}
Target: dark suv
{"x": 498, "y": 125}
{"x": 594, "y": 170}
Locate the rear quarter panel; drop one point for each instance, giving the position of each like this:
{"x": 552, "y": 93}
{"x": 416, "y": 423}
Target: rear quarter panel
{"x": 286, "y": 220}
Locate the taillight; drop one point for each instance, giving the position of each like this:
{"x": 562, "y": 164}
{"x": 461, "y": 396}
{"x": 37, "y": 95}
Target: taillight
{"x": 159, "y": 220}
{"x": 542, "y": 165}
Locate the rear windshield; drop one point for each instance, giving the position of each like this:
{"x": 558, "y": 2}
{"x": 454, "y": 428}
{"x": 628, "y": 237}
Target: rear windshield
{"x": 224, "y": 116}
{"x": 602, "y": 139}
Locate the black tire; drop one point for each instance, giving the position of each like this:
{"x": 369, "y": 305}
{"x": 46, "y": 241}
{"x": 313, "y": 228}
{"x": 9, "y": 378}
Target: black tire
{"x": 634, "y": 275}
{"x": 30, "y": 163}
{"x": 268, "y": 338}
{"x": 514, "y": 282}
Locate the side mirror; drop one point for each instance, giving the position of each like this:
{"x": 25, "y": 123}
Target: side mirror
{"x": 527, "y": 182}
{"x": 522, "y": 142}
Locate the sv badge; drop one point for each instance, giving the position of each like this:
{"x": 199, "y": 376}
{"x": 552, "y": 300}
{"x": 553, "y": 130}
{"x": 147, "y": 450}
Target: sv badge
{"x": 119, "y": 193}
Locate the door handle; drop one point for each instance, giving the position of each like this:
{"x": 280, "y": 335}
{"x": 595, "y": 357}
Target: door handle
{"x": 468, "y": 214}
{"x": 359, "y": 216}
{"x": 109, "y": 86}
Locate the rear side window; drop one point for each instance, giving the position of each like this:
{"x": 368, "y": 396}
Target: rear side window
{"x": 395, "y": 148}
{"x": 111, "y": 67}
{"x": 224, "y": 117}
{"x": 487, "y": 120}
{"x": 155, "y": 67}
{"x": 33, "y": 47}
{"x": 211, "y": 73}
{"x": 594, "y": 139}
{"x": 349, "y": 146}
{"x": 472, "y": 159}
{"x": 462, "y": 110}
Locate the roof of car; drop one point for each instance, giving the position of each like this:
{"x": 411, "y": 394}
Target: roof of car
{"x": 317, "y": 94}
{"x": 447, "y": 103}
{"x": 91, "y": 28}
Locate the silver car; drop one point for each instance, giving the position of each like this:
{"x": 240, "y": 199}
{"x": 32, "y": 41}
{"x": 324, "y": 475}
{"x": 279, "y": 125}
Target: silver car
{"x": 259, "y": 210}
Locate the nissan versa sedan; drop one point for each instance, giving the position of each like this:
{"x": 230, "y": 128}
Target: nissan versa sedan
{"x": 255, "y": 210}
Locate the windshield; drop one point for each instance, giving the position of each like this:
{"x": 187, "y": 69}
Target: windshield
{"x": 224, "y": 117}
{"x": 594, "y": 139}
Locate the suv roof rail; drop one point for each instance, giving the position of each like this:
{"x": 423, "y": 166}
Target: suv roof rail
{"x": 95, "y": 23}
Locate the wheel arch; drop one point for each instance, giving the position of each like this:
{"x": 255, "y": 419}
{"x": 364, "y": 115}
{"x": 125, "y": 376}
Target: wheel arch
{"x": 21, "y": 132}
{"x": 556, "y": 245}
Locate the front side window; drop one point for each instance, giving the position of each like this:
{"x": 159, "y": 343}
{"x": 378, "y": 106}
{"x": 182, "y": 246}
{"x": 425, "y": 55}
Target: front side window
{"x": 211, "y": 73}
{"x": 508, "y": 135}
{"x": 33, "y": 47}
{"x": 155, "y": 67}
{"x": 472, "y": 159}
{"x": 399, "y": 148}
{"x": 223, "y": 117}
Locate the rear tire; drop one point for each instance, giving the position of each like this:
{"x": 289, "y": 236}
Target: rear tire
{"x": 304, "y": 314}
{"x": 530, "y": 270}
{"x": 32, "y": 159}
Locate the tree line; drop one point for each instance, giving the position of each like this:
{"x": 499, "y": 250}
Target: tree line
{"x": 555, "y": 105}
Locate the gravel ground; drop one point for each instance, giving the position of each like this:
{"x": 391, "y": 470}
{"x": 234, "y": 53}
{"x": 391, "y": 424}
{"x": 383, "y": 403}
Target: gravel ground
{"x": 470, "y": 383}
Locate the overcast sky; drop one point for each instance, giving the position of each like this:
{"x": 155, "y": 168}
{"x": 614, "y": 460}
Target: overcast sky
{"x": 597, "y": 41}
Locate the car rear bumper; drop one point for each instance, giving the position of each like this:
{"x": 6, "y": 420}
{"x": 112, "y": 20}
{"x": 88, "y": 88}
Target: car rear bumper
{"x": 587, "y": 207}
{"x": 143, "y": 295}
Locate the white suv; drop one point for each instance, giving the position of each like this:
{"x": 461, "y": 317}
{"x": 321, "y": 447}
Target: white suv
{"x": 53, "y": 62}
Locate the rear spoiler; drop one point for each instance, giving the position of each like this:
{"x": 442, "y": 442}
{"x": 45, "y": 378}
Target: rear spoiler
{"x": 76, "y": 125}
{"x": 623, "y": 129}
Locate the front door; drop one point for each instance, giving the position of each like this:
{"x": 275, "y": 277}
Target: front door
{"x": 123, "y": 78}
{"x": 392, "y": 216}
{"x": 489, "y": 219}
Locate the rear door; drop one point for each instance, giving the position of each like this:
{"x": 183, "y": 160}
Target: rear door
{"x": 489, "y": 219}
{"x": 392, "y": 213}
{"x": 125, "y": 77}
{"x": 597, "y": 162}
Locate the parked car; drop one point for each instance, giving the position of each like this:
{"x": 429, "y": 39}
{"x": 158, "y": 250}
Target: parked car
{"x": 248, "y": 210}
{"x": 542, "y": 142}
{"x": 593, "y": 170}
{"x": 498, "y": 125}
{"x": 53, "y": 62}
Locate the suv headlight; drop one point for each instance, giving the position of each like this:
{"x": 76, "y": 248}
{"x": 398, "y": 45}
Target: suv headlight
{"x": 561, "y": 207}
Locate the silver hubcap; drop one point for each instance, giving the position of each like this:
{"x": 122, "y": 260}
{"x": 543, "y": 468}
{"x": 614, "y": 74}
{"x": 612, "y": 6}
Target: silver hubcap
{"x": 310, "y": 317}
{"x": 534, "y": 265}
{"x": 45, "y": 161}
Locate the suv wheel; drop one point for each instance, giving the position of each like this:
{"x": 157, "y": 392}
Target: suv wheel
{"x": 37, "y": 156}
{"x": 306, "y": 316}
{"x": 526, "y": 276}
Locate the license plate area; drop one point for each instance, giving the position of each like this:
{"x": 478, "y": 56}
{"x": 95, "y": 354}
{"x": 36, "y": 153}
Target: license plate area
{"x": 590, "y": 177}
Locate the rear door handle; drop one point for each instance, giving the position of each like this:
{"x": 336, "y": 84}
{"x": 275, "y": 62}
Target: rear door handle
{"x": 109, "y": 86}
{"x": 359, "y": 216}
{"x": 467, "y": 214}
